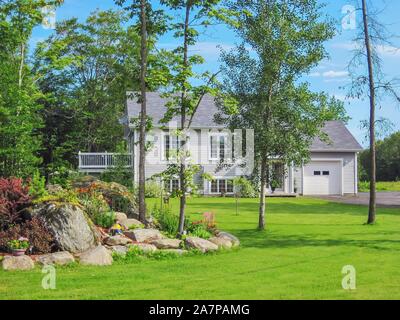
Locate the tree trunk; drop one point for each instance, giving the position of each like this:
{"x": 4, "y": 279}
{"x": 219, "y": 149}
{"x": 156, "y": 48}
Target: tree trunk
{"x": 143, "y": 112}
{"x": 372, "y": 197}
{"x": 261, "y": 218}
{"x": 182, "y": 178}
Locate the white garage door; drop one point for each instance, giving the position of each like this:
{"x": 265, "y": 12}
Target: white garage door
{"x": 322, "y": 178}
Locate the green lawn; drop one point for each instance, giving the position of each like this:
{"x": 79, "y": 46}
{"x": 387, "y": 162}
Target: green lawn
{"x": 380, "y": 186}
{"x": 300, "y": 257}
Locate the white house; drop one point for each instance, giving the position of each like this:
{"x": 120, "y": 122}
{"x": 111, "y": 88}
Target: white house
{"x": 331, "y": 171}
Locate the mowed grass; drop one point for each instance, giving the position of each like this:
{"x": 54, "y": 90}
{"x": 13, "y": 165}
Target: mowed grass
{"x": 300, "y": 256}
{"x": 380, "y": 186}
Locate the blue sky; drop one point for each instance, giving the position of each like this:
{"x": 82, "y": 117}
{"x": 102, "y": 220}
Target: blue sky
{"x": 330, "y": 76}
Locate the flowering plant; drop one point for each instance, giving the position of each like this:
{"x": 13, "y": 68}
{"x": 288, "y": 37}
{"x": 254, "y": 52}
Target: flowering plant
{"x": 21, "y": 243}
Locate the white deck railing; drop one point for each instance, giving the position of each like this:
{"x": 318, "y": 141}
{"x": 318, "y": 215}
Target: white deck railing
{"x": 103, "y": 160}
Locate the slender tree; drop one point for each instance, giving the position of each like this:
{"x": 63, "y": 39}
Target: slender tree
{"x": 282, "y": 40}
{"x": 184, "y": 96}
{"x": 371, "y": 82}
{"x": 151, "y": 23}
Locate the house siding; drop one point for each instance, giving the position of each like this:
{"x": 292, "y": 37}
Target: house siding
{"x": 199, "y": 148}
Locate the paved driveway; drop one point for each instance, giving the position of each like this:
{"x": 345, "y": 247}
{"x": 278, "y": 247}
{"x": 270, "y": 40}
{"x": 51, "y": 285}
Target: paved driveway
{"x": 383, "y": 199}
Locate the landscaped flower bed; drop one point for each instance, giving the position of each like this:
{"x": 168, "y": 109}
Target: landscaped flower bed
{"x": 92, "y": 222}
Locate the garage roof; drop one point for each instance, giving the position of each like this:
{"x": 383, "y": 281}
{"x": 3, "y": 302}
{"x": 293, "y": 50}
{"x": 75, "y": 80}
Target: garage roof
{"x": 341, "y": 139}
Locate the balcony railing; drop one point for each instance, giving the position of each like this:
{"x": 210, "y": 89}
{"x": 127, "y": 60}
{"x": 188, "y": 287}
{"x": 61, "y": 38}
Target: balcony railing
{"x": 103, "y": 160}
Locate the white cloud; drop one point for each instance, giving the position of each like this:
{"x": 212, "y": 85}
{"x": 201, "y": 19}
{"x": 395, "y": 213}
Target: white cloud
{"x": 384, "y": 50}
{"x": 388, "y": 51}
{"x": 335, "y": 74}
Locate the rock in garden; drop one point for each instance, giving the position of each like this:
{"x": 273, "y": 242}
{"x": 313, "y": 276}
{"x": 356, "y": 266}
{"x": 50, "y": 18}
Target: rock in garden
{"x": 98, "y": 256}
{"x": 200, "y": 244}
{"x": 120, "y": 216}
{"x": 144, "y": 235}
{"x": 54, "y": 188}
{"x": 17, "y": 263}
{"x": 131, "y": 223}
{"x": 225, "y": 235}
{"x": 167, "y": 243}
{"x": 221, "y": 242}
{"x": 176, "y": 251}
{"x": 56, "y": 258}
{"x": 119, "y": 196}
{"x": 121, "y": 250}
{"x": 70, "y": 227}
{"x": 117, "y": 241}
{"x": 145, "y": 247}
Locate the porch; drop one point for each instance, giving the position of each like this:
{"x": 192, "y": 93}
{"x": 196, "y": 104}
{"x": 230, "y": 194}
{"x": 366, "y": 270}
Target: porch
{"x": 99, "y": 162}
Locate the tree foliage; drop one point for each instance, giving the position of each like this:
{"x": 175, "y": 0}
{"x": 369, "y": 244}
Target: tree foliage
{"x": 85, "y": 70}
{"x": 387, "y": 160}
{"x": 19, "y": 108}
{"x": 281, "y": 41}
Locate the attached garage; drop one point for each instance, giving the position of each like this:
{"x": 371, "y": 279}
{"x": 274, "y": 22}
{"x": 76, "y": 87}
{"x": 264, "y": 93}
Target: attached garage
{"x": 323, "y": 177}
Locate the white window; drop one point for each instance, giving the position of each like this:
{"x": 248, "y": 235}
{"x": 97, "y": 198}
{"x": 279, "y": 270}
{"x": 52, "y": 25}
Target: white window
{"x": 218, "y": 146}
{"x": 170, "y": 146}
{"x": 173, "y": 185}
{"x": 222, "y": 186}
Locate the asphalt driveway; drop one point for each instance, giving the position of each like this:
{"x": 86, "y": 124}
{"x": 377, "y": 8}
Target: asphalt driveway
{"x": 383, "y": 199}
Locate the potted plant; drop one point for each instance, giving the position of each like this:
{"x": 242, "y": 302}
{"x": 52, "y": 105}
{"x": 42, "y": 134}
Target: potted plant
{"x": 18, "y": 247}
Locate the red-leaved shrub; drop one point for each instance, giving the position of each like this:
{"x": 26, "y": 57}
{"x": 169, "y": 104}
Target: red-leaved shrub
{"x": 14, "y": 199}
{"x": 40, "y": 239}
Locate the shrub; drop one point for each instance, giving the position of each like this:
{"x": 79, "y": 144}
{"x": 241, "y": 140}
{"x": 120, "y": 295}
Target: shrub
{"x": 167, "y": 221}
{"x": 37, "y": 185}
{"x": 64, "y": 196}
{"x": 40, "y": 239}
{"x": 198, "y": 229}
{"x": 14, "y": 199}
{"x": 94, "y": 204}
{"x": 244, "y": 188}
{"x": 153, "y": 190}
{"x": 62, "y": 175}
{"x": 104, "y": 219}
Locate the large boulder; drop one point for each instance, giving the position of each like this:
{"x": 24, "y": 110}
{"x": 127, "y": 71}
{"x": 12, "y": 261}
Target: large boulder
{"x": 225, "y": 235}
{"x": 117, "y": 241}
{"x": 57, "y": 258}
{"x": 17, "y": 263}
{"x": 120, "y": 216}
{"x": 144, "y": 235}
{"x": 200, "y": 244}
{"x": 132, "y": 224}
{"x": 145, "y": 247}
{"x": 70, "y": 227}
{"x": 118, "y": 196}
{"x": 167, "y": 243}
{"x": 221, "y": 242}
{"x": 128, "y": 223}
{"x": 98, "y": 256}
{"x": 119, "y": 250}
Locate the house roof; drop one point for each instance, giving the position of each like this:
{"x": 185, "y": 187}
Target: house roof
{"x": 203, "y": 118}
{"x": 340, "y": 138}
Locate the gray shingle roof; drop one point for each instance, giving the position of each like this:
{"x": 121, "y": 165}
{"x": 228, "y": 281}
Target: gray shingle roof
{"x": 341, "y": 139}
{"x": 204, "y": 117}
